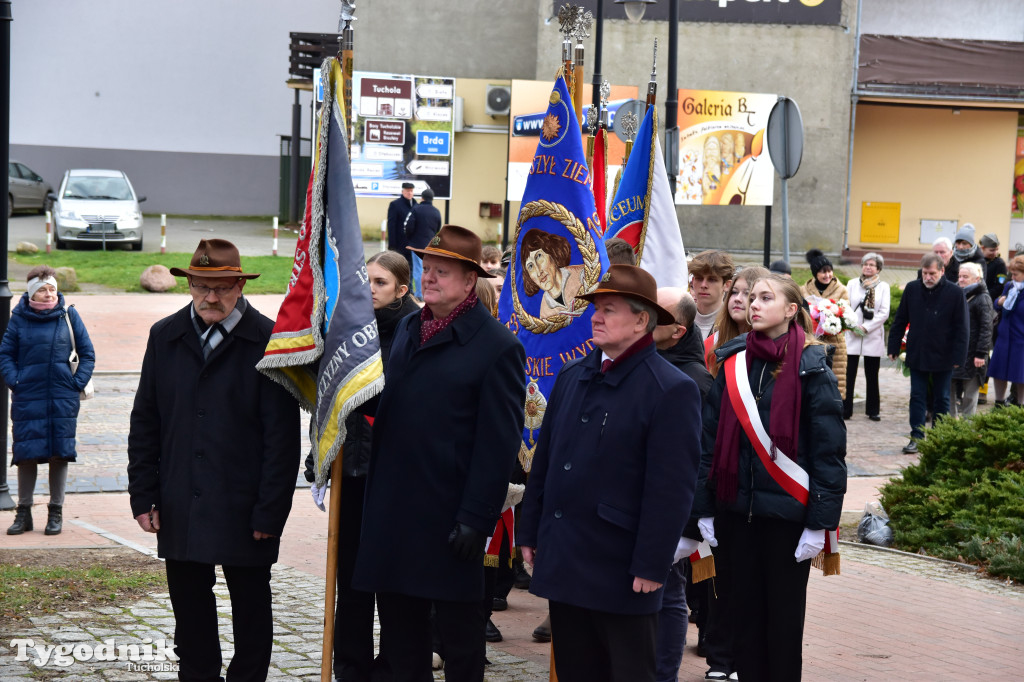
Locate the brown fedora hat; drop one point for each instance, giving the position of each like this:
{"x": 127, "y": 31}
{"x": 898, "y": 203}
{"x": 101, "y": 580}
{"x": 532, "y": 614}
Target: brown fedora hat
{"x": 631, "y": 282}
{"x": 215, "y": 258}
{"x": 457, "y": 243}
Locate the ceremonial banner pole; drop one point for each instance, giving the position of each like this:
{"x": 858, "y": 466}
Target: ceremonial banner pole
{"x": 345, "y": 57}
{"x": 566, "y": 22}
{"x": 652, "y": 85}
{"x": 333, "y": 525}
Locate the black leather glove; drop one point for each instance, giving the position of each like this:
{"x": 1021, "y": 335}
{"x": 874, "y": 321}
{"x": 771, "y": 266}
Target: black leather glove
{"x": 466, "y": 543}
{"x": 310, "y": 472}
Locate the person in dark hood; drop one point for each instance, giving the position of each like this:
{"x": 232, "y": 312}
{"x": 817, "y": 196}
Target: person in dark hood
{"x": 995, "y": 267}
{"x": 680, "y": 343}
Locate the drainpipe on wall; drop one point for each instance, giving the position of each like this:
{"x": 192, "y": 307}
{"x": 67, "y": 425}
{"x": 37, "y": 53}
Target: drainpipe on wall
{"x": 853, "y": 125}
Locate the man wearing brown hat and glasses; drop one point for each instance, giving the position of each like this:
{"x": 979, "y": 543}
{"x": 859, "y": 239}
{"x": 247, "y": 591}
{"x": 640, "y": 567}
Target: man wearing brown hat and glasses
{"x": 212, "y": 456}
{"x": 611, "y": 487}
{"x": 446, "y": 436}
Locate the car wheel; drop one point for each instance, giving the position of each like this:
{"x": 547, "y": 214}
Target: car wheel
{"x": 47, "y": 206}
{"x": 10, "y": 205}
{"x": 137, "y": 246}
{"x": 60, "y": 245}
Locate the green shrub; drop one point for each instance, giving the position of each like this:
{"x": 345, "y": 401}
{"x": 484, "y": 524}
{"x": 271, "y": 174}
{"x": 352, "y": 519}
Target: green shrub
{"x": 964, "y": 499}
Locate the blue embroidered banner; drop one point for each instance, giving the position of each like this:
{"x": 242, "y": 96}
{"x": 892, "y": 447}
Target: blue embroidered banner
{"x": 559, "y": 254}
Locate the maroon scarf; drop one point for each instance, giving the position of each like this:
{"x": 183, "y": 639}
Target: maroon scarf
{"x": 784, "y": 418}
{"x": 430, "y": 327}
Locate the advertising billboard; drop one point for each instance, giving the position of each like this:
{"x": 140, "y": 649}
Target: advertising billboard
{"x": 723, "y": 155}
{"x": 526, "y": 114}
{"x": 404, "y": 130}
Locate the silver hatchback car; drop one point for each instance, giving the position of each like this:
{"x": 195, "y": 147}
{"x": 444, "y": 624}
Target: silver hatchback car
{"x": 26, "y": 189}
{"x": 97, "y": 206}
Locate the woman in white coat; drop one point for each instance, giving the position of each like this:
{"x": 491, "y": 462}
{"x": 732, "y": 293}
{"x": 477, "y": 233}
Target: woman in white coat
{"x": 869, "y": 296}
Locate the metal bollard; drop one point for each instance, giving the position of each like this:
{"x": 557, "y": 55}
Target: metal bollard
{"x": 163, "y": 233}
{"x": 384, "y": 235}
{"x": 49, "y": 231}
{"x": 275, "y": 235}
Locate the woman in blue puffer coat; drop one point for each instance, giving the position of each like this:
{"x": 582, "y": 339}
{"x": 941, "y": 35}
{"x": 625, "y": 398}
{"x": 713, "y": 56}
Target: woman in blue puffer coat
{"x": 45, "y": 394}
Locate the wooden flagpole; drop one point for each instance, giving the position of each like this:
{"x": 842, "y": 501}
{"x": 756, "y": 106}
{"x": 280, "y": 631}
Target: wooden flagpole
{"x": 345, "y": 57}
{"x": 333, "y": 525}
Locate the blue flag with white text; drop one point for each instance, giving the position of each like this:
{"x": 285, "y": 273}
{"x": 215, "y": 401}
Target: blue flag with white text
{"x": 559, "y": 255}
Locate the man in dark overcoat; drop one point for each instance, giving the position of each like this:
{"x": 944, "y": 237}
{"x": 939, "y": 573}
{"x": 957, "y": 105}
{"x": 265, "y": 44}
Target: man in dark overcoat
{"x": 611, "y": 486}
{"x": 445, "y": 438}
{"x": 401, "y": 218}
{"x": 213, "y": 452}
{"x": 936, "y": 311}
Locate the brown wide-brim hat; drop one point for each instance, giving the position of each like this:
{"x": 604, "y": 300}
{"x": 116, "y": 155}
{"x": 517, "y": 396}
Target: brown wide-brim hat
{"x": 631, "y": 282}
{"x": 457, "y": 243}
{"x": 215, "y": 258}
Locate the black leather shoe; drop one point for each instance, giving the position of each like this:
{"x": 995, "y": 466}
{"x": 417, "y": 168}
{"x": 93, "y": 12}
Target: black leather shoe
{"x": 542, "y": 633}
{"x": 910, "y": 448}
{"x": 491, "y": 632}
{"x": 875, "y": 417}
{"x": 499, "y": 604}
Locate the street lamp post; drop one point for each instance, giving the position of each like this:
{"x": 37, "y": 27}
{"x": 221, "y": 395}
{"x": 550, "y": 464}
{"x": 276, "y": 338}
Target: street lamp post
{"x": 5, "y": 292}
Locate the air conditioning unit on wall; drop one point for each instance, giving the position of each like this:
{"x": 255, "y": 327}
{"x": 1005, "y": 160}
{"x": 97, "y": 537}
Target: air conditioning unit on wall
{"x": 499, "y": 100}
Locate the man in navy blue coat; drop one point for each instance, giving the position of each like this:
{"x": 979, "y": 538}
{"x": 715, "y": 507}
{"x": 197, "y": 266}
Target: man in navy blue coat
{"x": 611, "y": 486}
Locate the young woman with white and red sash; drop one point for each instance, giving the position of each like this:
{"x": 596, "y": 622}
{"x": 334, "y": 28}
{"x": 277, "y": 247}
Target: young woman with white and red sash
{"x": 712, "y": 601}
{"x": 772, "y": 476}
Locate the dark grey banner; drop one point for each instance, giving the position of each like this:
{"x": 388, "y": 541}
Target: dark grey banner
{"x": 821, "y": 12}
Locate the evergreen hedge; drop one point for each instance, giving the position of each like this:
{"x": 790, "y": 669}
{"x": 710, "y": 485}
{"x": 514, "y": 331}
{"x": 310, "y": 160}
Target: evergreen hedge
{"x": 964, "y": 499}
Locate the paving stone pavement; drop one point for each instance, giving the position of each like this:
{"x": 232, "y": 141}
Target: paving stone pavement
{"x": 298, "y": 637}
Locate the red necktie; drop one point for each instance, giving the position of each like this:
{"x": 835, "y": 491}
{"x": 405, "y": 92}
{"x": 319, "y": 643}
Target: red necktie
{"x": 605, "y": 364}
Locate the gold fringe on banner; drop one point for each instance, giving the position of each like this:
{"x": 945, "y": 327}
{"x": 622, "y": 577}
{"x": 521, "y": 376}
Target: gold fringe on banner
{"x": 702, "y": 569}
{"x": 827, "y": 563}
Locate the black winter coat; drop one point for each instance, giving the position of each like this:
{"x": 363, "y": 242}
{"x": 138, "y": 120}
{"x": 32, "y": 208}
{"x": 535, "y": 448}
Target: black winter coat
{"x": 425, "y": 222}
{"x": 688, "y": 357}
{"x": 996, "y": 276}
{"x": 45, "y": 394}
{"x": 213, "y": 444}
{"x": 400, "y": 216}
{"x": 448, "y": 428}
{"x": 821, "y": 448}
{"x": 979, "y": 343}
{"x": 939, "y": 326}
{"x": 612, "y": 481}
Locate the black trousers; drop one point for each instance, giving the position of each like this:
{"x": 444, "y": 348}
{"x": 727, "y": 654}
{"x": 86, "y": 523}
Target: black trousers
{"x": 353, "y": 617}
{"x": 596, "y": 646}
{"x": 720, "y": 638}
{"x": 872, "y": 405}
{"x": 405, "y": 626}
{"x": 196, "y": 639}
{"x": 770, "y": 598}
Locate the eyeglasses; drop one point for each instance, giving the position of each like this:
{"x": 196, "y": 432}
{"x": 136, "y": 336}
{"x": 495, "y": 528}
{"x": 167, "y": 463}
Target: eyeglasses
{"x": 204, "y": 290}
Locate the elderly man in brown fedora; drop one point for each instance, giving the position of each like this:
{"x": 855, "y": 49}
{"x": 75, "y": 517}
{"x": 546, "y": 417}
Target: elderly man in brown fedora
{"x": 213, "y": 452}
{"x": 611, "y": 487}
{"x": 446, "y": 435}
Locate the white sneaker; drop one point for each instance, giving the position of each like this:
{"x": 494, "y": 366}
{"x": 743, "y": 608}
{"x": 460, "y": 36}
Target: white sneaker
{"x": 734, "y": 676}
{"x": 437, "y": 662}
{"x": 716, "y": 675}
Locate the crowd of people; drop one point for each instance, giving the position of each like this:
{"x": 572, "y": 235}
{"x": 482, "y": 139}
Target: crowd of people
{"x": 708, "y": 417}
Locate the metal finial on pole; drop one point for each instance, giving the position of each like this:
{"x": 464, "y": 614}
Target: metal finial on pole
{"x": 652, "y": 85}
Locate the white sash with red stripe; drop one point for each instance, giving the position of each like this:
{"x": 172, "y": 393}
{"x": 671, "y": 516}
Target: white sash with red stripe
{"x": 783, "y": 469}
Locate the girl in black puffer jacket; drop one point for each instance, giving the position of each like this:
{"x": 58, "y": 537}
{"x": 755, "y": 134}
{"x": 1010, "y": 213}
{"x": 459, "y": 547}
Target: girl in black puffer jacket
{"x": 768, "y": 500}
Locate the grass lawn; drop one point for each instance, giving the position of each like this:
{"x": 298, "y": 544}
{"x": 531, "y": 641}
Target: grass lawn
{"x": 121, "y": 269}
